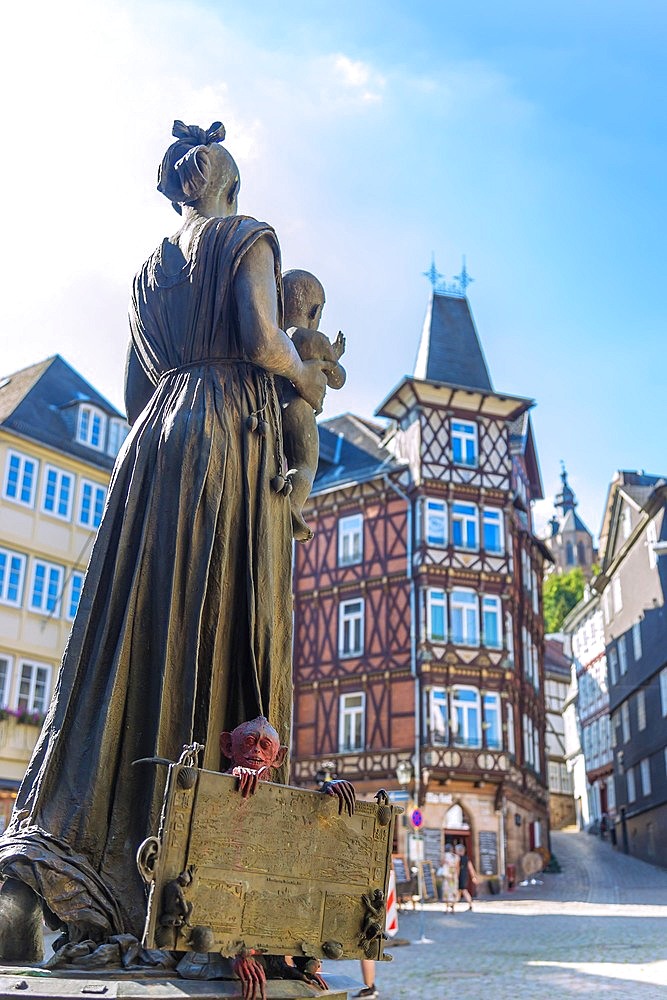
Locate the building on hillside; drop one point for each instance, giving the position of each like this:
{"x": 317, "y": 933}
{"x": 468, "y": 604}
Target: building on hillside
{"x": 584, "y": 628}
{"x": 58, "y": 441}
{"x": 559, "y": 776}
{"x": 633, "y": 588}
{"x": 569, "y": 540}
{"x": 418, "y": 651}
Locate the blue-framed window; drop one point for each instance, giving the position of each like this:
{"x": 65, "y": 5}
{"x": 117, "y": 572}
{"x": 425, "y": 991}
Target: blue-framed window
{"x": 12, "y": 572}
{"x": 91, "y": 504}
{"x": 91, "y": 427}
{"x": 465, "y": 525}
{"x": 58, "y": 493}
{"x": 466, "y": 717}
{"x": 20, "y": 478}
{"x": 492, "y": 721}
{"x": 464, "y": 613}
{"x": 436, "y": 614}
{"x": 436, "y": 522}
{"x": 118, "y": 431}
{"x": 438, "y": 715}
{"x": 464, "y": 442}
{"x": 75, "y": 588}
{"x": 46, "y": 590}
{"x": 492, "y": 529}
{"x": 491, "y": 622}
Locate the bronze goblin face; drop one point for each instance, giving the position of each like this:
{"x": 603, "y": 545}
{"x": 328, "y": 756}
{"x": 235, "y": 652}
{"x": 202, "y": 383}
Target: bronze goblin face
{"x": 254, "y": 745}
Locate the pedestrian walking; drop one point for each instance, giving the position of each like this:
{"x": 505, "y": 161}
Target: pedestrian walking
{"x": 467, "y": 875}
{"x": 368, "y": 976}
{"x": 449, "y": 873}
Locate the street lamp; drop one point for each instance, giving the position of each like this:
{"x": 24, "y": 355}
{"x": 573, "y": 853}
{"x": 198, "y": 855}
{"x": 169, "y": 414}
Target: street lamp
{"x": 325, "y": 772}
{"x": 404, "y": 777}
{"x": 404, "y": 773}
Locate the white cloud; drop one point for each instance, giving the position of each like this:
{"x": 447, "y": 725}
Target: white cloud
{"x": 95, "y": 86}
{"x": 358, "y": 76}
{"x": 353, "y": 74}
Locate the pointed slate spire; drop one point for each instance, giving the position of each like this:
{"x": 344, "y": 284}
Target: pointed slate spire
{"x": 449, "y": 350}
{"x": 566, "y": 499}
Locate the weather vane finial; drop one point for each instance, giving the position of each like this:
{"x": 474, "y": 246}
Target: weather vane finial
{"x": 456, "y": 287}
{"x": 463, "y": 279}
{"x": 433, "y": 274}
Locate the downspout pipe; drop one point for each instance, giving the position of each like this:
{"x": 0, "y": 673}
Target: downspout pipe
{"x": 413, "y": 631}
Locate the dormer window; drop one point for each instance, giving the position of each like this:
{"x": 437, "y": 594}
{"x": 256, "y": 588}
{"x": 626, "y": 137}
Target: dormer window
{"x": 118, "y": 431}
{"x": 91, "y": 427}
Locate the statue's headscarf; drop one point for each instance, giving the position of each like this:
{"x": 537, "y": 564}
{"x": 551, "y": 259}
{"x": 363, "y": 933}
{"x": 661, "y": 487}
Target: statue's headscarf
{"x": 183, "y": 174}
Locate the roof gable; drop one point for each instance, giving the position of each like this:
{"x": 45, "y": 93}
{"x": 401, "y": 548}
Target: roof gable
{"x": 571, "y": 522}
{"x": 633, "y": 488}
{"x": 351, "y": 449}
{"x": 14, "y": 388}
{"x": 41, "y": 402}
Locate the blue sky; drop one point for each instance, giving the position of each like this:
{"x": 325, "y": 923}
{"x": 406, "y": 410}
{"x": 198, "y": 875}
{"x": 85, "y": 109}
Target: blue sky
{"x": 529, "y": 137}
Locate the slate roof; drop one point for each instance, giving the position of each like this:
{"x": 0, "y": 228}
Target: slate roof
{"x": 14, "y": 388}
{"x": 450, "y": 349}
{"x": 628, "y": 479}
{"x": 641, "y": 493}
{"x": 41, "y": 402}
{"x": 555, "y": 660}
{"x": 522, "y": 442}
{"x": 572, "y": 522}
{"x": 350, "y": 451}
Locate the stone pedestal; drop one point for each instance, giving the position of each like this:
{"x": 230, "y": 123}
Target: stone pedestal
{"x": 79, "y": 986}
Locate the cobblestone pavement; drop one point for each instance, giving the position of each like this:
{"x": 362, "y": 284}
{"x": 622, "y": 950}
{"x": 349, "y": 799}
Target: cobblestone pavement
{"x": 598, "y": 927}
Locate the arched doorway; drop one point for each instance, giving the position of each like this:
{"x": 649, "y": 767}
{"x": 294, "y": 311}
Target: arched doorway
{"x": 457, "y": 829}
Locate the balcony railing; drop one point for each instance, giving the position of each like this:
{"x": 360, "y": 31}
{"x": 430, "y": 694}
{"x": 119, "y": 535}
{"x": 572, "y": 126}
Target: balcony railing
{"x": 18, "y": 734}
{"x": 471, "y": 760}
{"x": 475, "y": 760}
{"x": 473, "y": 742}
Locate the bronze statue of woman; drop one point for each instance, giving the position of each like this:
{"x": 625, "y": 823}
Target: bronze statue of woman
{"x": 184, "y": 625}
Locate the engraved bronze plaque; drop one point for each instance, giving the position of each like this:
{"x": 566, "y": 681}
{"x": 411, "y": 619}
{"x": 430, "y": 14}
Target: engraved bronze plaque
{"x": 280, "y": 871}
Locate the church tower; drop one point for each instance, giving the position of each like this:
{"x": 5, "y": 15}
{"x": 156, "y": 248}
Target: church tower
{"x": 569, "y": 540}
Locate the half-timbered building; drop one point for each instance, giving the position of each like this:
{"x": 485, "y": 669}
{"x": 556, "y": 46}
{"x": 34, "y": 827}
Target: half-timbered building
{"x": 418, "y": 648}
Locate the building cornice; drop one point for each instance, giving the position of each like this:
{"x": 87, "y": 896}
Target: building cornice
{"x": 411, "y": 392}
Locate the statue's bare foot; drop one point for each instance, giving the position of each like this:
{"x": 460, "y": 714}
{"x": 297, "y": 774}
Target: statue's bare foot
{"x": 300, "y": 529}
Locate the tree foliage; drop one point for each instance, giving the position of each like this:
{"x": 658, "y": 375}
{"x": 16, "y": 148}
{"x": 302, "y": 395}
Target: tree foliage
{"x": 561, "y": 593}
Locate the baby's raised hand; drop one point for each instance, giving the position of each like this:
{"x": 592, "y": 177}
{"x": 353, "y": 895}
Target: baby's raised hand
{"x": 339, "y": 344}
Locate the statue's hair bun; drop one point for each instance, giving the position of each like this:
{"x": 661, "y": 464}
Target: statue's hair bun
{"x": 193, "y": 171}
{"x": 197, "y": 136}
{"x": 185, "y": 168}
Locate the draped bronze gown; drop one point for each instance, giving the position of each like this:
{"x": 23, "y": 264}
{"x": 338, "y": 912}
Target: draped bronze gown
{"x": 184, "y": 624}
